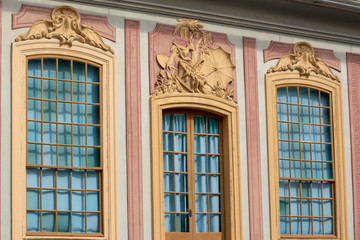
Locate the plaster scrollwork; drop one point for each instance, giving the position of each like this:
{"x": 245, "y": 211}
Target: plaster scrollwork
{"x": 303, "y": 59}
{"x": 195, "y": 67}
{"x": 65, "y": 26}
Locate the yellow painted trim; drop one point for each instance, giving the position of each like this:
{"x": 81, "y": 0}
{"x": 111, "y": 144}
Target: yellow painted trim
{"x": 231, "y": 144}
{"x": 20, "y": 52}
{"x": 272, "y": 81}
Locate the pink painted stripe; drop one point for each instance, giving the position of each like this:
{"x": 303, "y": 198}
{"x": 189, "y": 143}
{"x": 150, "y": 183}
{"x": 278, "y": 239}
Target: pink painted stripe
{"x": 253, "y": 138}
{"x": 30, "y": 14}
{"x": 277, "y": 49}
{"x": 353, "y": 70}
{"x": 133, "y": 129}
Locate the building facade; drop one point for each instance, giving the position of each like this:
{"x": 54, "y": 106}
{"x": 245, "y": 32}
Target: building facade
{"x": 191, "y": 120}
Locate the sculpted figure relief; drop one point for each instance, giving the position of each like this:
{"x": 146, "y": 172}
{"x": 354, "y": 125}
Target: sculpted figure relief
{"x": 65, "y": 26}
{"x": 195, "y": 67}
{"x": 303, "y": 59}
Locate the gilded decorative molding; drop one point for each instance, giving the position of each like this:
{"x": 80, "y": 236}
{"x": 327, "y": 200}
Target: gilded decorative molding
{"x": 65, "y": 26}
{"x": 303, "y": 59}
{"x": 195, "y": 67}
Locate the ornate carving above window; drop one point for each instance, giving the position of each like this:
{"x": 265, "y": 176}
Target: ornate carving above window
{"x": 303, "y": 59}
{"x": 65, "y": 26}
{"x": 195, "y": 67}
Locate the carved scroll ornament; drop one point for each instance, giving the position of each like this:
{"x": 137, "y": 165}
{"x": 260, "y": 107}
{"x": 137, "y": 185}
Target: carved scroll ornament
{"x": 195, "y": 67}
{"x": 65, "y": 26}
{"x": 303, "y": 59}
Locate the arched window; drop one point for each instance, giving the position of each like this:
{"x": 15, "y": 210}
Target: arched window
{"x": 305, "y": 146}
{"x": 63, "y": 142}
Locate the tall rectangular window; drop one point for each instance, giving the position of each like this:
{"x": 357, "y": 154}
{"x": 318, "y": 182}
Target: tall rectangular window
{"x": 192, "y": 171}
{"x": 64, "y": 167}
{"x": 306, "y": 180}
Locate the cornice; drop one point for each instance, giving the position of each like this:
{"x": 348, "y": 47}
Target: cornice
{"x": 229, "y": 20}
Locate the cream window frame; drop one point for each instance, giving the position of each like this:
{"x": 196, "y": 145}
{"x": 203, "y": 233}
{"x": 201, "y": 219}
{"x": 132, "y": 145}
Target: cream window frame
{"x": 229, "y": 113}
{"x": 283, "y": 79}
{"x": 20, "y": 52}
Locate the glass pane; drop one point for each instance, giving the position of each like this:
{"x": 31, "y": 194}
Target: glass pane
{"x": 92, "y": 180}
{"x": 48, "y": 200}
{"x": 78, "y": 71}
{"x": 306, "y": 226}
{"x": 292, "y": 95}
{"x": 78, "y": 179}
{"x": 78, "y": 222}
{"x": 200, "y": 144}
{"x": 214, "y": 184}
{"x": 168, "y": 182}
{"x": 79, "y": 156}
{"x": 201, "y": 223}
{"x": 200, "y": 163}
{"x": 48, "y": 222}
{"x": 294, "y": 132}
{"x": 283, "y": 149}
{"x": 63, "y": 179}
{"x": 317, "y": 223}
{"x": 293, "y": 113}
{"x": 315, "y": 133}
{"x": 327, "y": 190}
{"x": 295, "y": 226}
{"x": 214, "y": 205}
{"x": 295, "y": 169}
{"x": 281, "y": 94}
{"x": 325, "y": 116}
{"x": 34, "y": 109}
{"x": 63, "y": 222}
{"x": 284, "y": 225}
{"x": 168, "y": 141}
{"x": 316, "y": 189}
{"x": 48, "y": 178}
{"x": 328, "y": 210}
{"x": 282, "y": 112}
{"x": 92, "y": 201}
{"x": 79, "y": 113}
{"x": 283, "y": 131}
{"x": 305, "y": 133}
{"x": 78, "y": 201}
{"x": 64, "y": 91}
{"x": 181, "y": 183}
{"x": 314, "y": 97}
{"x": 65, "y": 133}
{"x": 199, "y": 124}
{"x": 34, "y": 88}
{"x": 305, "y": 151}
{"x": 49, "y": 111}
{"x": 63, "y": 200}
{"x": 294, "y": 188}
{"x": 315, "y": 115}
{"x": 327, "y": 155}
{"x": 180, "y": 143}
{"x": 167, "y": 122}
{"x": 93, "y": 222}
{"x": 93, "y": 136}
{"x": 64, "y": 112}
{"x": 169, "y": 202}
{"x": 33, "y": 221}
{"x": 78, "y": 92}
{"x": 49, "y": 132}
{"x": 64, "y": 68}
{"x": 200, "y": 183}
{"x": 180, "y": 162}
{"x": 64, "y": 156}
{"x": 316, "y": 152}
{"x": 328, "y": 226}
{"x": 79, "y": 135}
{"x": 93, "y": 114}
{"x": 49, "y": 89}
{"x": 180, "y": 122}
{"x": 34, "y": 67}
{"x": 182, "y": 223}
{"x": 182, "y": 203}
{"x": 306, "y": 170}
{"x": 169, "y": 222}
{"x": 325, "y": 134}
{"x": 168, "y": 162}
{"x": 283, "y": 188}
{"x": 93, "y": 95}
{"x": 32, "y": 199}
{"x": 317, "y": 208}
{"x": 295, "y": 207}
{"x": 32, "y": 177}
{"x": 284, "y": 206}
{"x": 306, "y": 207}
{"x": 325, "y": 99}
{"x": 317, "y": 171}
{"x": 213, "y": 164}
{"x": 213, "y": 126}
{"x": 34, "y": 153}
{"x": 215, "y": 223}
{"x": 93, "y": 157}
{"x": 92, "y": 73}
{"x": 305, "y": 189}
{"x": 304, "y": 95}
{"x": 304, "y": 114}
{"x": 213, "y": 144}
{"x": 328, "y": 172}
{"x": 201, "y": 203}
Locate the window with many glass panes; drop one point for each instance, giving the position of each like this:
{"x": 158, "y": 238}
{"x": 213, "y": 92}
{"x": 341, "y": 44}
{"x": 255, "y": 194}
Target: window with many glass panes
{"x": 64, "y": 165}
{"x": 192, "y": 171}
{"x": 306, "y": 180}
